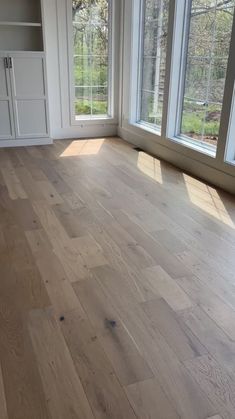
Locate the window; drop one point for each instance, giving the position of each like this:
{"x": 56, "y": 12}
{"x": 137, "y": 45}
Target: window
{"x": 91, "y": 58}
{"x": 153, "y": 62}
{"x": 209, "y": 38}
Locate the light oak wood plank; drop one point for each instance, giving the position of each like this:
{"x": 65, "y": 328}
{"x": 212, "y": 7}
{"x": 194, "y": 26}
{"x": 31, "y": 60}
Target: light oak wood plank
{"x": 218, "y": 386}
{"x": 49, "y": 192}
{"x": 3, "y": 404}
{"x": 23, "y": 388}
{"x": 63, "y": 389}
{"x": 33, "y": 191}
{"x": 71, "y": 259}
{"x": 180, "y": 338}
{"x": 185, "y": 395}
{"x": 149, "y": 401}
{"x": 14, "y": 186}
{"x": 69, "y": 220}
{"x": 90, "y": 251}
{"x": 222, "y": 314}
{"x": 119, "y": 346}
{"x": 59, "y": 288}
{"x": 170, "y": 241}
{"x": 158, "y": 253}
{"x": 164, "y": 286}
{"x": 104, "y": 392}
{"x": 212, "y": 336}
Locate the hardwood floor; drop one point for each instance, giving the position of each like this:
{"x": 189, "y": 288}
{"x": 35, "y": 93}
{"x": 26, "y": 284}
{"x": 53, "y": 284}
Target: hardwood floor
{"x": 117, "y": 287}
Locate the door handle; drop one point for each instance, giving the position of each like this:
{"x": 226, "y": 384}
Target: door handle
{"x": 6, "y": 62}
{"x": 9, "y": 62}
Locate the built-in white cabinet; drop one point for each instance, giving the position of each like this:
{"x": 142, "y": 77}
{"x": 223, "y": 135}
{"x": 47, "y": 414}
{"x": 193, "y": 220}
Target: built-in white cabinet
{"x": 23, "y": 99}
{"x": 23, "y": 88}
{"x": 6, "y": 110}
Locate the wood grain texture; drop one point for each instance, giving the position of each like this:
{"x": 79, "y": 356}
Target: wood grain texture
{"x": 179, "y": 337}
{"x": 106, "y": 396}
{"x": 222, "y": 313}
{"x": 3, "y": 404}
{"x": 149, "y": 401}
{"x": 120, "y": 347}
{"x": 117, "y": 290}
{"x": 214, "y": 339}
{"x": 166, "y": 287}
{"x": 218, "y": 386}
{"x": 66, "y": 397}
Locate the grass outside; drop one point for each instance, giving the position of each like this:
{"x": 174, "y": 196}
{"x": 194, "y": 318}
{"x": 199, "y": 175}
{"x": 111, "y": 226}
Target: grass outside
{"x": 201, "y": 122}
{"x": 83, "y": 107}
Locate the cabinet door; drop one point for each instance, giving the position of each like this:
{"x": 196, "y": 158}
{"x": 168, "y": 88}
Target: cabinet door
{"x": 6, "y": 113}
{"x": 29, "y": 95}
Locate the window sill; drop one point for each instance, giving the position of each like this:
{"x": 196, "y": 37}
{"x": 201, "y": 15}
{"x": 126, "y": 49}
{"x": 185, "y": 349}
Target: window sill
{"x": 147, "y": 128}
{"x": 207, "y": 149}
{"x": 230, "y": 162}
{"x": 99, "y": 120}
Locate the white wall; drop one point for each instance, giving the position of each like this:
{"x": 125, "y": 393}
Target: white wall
{"x": 56, "y": 45}
{"x": 213, "y": 170}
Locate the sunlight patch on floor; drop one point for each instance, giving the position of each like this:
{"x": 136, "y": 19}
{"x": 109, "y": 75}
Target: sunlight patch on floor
{"x": 83, "y": 148}
{"x": 150, "y": 166}
{"x": 208, "y": 200}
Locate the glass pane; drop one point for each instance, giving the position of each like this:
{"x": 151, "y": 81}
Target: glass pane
{"x": 207, "y": 57}
{"x": 99, "y": 100}
{"x": 99, "y": 39}
{"x": 82, "y": 70}
{"x": 91, "y": 52}
{"x": 153, "y": 61}
{"x": 83, "y": 100}
{"x": 100, "y": 71}
{"x": 151, "y": 109}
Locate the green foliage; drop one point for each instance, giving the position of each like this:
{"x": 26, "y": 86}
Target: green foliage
{"x": 193, "y": 123}
{"x": 84, "y": 107}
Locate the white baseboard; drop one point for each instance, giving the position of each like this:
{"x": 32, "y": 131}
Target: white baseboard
{"x": 25, "y": 142}
{"x": 89, "y": 131}
{"x": 199, "y": 169}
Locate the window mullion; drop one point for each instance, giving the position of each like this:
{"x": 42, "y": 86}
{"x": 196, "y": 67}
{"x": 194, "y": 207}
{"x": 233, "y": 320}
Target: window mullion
{"x": 170, "y": 36}
{"x": 175, "y": 65}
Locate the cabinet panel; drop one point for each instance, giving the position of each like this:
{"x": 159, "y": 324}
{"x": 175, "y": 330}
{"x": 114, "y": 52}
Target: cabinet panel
{"x": 29, "y": 95}
{"x": 28, "y": 77}
{"x": 31, "y": 118}
{"x": 6, "y": 112}
{"x": 3, "y": 79}
{"x": 5, "y": 120}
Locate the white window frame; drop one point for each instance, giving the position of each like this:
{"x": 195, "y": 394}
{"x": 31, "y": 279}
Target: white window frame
{"x": 113, "y": 56}
{"x": 137, "y": 70}
{"x": 170, "y": 136}
{"x": 177, "y": 83}
{"x": 226, "y": 146}
{"x": 136, "y": 48}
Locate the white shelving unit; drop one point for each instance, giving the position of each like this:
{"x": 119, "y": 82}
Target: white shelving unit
{"x": 21, "y": 25}
{"x": 23, "y": 88}
{"x": 4, "y": 23}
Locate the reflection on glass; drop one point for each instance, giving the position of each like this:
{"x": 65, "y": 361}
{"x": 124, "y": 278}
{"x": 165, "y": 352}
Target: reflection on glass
{"x": 153, "y": 62}
{"x": 207, "y": 57}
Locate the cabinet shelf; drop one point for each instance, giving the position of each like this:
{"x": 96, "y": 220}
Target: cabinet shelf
{"x": 30, "y": 24}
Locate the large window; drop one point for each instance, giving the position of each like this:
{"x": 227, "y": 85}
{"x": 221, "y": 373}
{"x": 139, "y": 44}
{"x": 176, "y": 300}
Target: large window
{"x": 92, "y": 58}
{"x": 206, "y": 66}
{"x": 153, "y": 62}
